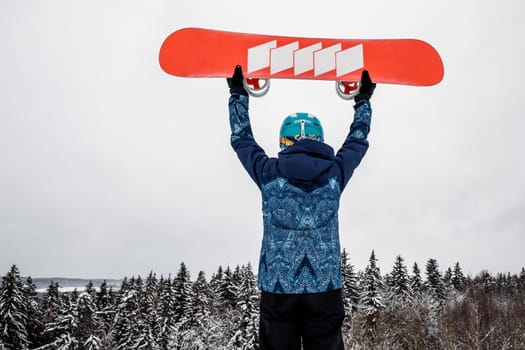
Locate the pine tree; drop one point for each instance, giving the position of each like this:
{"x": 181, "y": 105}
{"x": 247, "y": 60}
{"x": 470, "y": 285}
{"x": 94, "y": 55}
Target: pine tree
{"x": 234, "y": 285}
{"x": 447, "y": 282}
{"x": 371, "y": 299}
{"x": 124, "y": 288}
{"x": 64, "y": 328}
{"x": 351, "y": 290}
{"x": 145, "y": 329}
{"x": 13, "y": 311}
{"x": 73, "y": 296}
{"x": 458, "y": 279}
{"x": 105, "y": 309}
{"x": 149, "y": 297}
{"x": 416, "y": 282}
{"x": 216, "y": 288}
{"x": 200, "y": 301}
{"x": 131, "y": 329}
{"x": 149, "y": 300}
{"x": 166, "y": 324}
{"x": 400, "y": 290}
{"x": 89, "y": 324}
{"x": 522, "y": 279}
{"x": 34, "y": 314}
{"x": 203, "y": 325}
{"x": 182, "y": 288}
{"x": 247, "y": 335}
{"x": 138, "y": 285}
{"x": 351, "y": 295}
{"x": 90, "y": 289}
{"x": 434, "y": 283}
{"x": 122, "y": 334}
{"x": 436, "y": 292}
{"x": 229, "y": 289}
{"x": 51, "y": 305}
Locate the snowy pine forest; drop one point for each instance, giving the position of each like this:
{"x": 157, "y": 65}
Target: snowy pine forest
{"x": 406, "y": 308}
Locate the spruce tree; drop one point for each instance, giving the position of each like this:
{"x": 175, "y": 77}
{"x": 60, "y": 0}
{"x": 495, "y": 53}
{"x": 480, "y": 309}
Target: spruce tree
{"x": 51, "y": 305}
{"x": 34, "y": 314}
{"x": 371, "y": 299}
{"x": 434, "y": 282}
{"x": 351, "y": 290}
{"x": 105, "y": 308}
{"x": 90, "y": 289}
{"x": 234, "y": 285}
{"x": 200, "y": 301}
{"x": 145, "y": 329}
{"x": 124, "y": 287}
{"x": 229, "y": 289}
{"x": 166, "y": 324}
{"x": 182, "y": 289}
{"x": 416, "y": 282}
{"x": 203, "y": 325}
{"x": 13, "y": 311}
{"x": 73, "y": 296}
{"x": 447, "y": 281}
{"x": 400, "y": 290}
{"x": 247, "y": 335}
{"x": 137, "y": 285}
{"x": 437, "y": 296}
{"x": 458, "y": 279}
{"x": 112, "y": 296}
{"x": 216, "y": 289}
{"x": 522, "y": 279}
{"x": 124, "y": 327}
{"x": 89, "y": 324}
{"x": 149, "y": 300}
{"x": 65, "y": 327}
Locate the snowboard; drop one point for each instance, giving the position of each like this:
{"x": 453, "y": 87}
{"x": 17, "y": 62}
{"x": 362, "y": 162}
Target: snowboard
{"x": 200, "y": 52}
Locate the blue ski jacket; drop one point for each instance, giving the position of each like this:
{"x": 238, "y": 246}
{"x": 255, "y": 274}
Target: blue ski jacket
{"x": 300, "y": 189}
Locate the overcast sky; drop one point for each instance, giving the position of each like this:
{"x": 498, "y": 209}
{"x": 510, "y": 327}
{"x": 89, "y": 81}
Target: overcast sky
{"x": 110, "y": 168}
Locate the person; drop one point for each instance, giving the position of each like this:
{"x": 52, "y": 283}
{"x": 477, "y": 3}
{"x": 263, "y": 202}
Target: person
{"x": 299, "y": 272}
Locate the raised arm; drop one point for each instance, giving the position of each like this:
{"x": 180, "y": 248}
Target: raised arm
{"x": 356, "y": 144}
{"x": 251, "y": 155}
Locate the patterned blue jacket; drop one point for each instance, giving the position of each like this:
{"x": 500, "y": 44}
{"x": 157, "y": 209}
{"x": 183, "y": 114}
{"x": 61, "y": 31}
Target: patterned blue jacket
{"x": 300, "y": 189}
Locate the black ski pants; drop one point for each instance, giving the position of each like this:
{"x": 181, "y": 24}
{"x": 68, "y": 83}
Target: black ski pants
{"x": 286, "y": 320}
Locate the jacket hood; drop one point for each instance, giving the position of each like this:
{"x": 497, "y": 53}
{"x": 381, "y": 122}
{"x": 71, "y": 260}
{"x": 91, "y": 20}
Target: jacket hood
{"x": 305, "y": 160}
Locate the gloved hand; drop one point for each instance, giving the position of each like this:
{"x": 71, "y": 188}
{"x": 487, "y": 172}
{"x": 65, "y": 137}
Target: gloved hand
{"x": 236, "y": 82}
{"x": 366, "y": 89}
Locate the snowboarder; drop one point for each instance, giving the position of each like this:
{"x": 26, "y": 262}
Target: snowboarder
{"x": 299, "y": 267}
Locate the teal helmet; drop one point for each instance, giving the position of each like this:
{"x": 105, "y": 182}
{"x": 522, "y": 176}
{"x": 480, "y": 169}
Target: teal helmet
{"x": 299, "y": 126}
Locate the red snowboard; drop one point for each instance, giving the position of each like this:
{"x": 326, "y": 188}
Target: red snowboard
{"x": 198, "y": 52}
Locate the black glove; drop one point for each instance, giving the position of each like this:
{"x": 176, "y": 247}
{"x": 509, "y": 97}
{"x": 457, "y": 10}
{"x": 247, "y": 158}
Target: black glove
{"x": 236, "y": 82}
{"x": 366, "y": 89}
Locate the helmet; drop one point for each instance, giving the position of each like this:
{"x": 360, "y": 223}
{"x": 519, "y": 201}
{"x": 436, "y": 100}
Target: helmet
{"x": 299, "y": 126}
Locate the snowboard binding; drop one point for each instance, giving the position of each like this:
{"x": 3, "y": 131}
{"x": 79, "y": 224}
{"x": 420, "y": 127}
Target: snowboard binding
{"x": 347, "y": 90}
{"x": 258, "y": 87}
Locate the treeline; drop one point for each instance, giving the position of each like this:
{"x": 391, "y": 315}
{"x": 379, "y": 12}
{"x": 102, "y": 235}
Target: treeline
{"x": 398, "y": 310}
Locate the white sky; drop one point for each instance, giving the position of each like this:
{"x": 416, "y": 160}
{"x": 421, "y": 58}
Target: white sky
{"x": 109, "y": 167}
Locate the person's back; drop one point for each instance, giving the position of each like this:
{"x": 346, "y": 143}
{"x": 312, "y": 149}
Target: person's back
{"x": 299, "y": 266}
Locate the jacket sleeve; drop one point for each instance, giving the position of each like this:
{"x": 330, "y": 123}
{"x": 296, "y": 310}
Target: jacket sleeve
{"x": 251, "y": 155}
{"x": 356, "y": 143}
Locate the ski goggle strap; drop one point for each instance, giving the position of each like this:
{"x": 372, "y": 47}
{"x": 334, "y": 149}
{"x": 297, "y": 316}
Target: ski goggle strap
{"x": 287, "y": 141}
